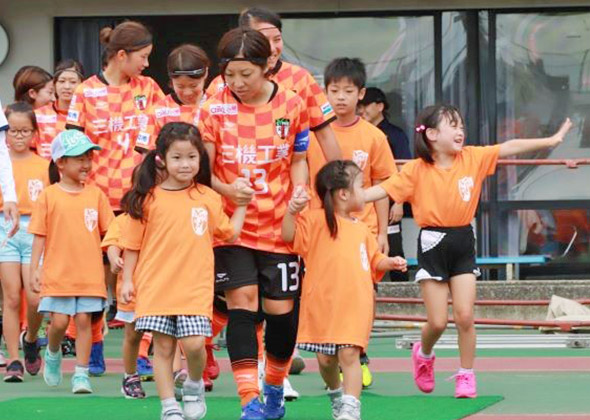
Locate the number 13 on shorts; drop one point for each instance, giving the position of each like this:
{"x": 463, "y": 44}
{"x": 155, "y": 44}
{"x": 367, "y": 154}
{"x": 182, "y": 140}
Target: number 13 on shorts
{"x": 289, "y": 276}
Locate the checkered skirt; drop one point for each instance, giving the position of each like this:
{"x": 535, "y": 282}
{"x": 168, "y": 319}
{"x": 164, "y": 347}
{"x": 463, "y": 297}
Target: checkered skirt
{"x": 175, "y": 325}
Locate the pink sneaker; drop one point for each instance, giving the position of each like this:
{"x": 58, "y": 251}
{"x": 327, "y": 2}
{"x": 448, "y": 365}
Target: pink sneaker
{"x": 465, "y": 385}
{"x": 423, "y": 370}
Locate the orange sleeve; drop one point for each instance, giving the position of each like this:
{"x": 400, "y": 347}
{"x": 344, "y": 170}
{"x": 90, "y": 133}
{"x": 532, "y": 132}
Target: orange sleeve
{"x": 207, "y": 124}
{"x": 105, "y": 212}
{"x": 400, "y": 185}
{"x": 113, "y": 235}
{"x": 382, "y": 161}
{"x": 486, "y": 159}
{"x": 213, "y": 87}
{"x": 319, "y": 109}
{"x": 77, "y": 111}
{"x": 375, "y": 257}
{"x": 223, "y": 228}
{"x": 132, "y": 234}
{"x": 303, "y": 229}
{"x": 38, "y": 223}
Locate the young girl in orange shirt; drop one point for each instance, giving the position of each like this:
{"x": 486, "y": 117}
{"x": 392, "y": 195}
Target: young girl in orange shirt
{"x": 31, "y": 177}
{"x": 342, "y": 259}
{"x": 68, "y": 220}
{"x": 443, "y": 186}
{"x": 172, "y": 208}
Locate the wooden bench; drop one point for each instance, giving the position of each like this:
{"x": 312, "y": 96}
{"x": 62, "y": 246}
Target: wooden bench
{"x": 511, "y": 264}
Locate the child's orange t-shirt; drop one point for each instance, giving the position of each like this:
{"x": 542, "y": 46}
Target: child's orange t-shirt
{"x": 175, "y": 270}
{"x": 51, "y": 122}
{"x": 72, "y": 224}
{"x": 337, "y": 292}
{"x": 444, "y": 197}
{"x": 365, "y": 145}
{"x": 113, "y": 238}
{"x": 115, "y": 118}
{"x": 167, "y": 110}
{"x": 31, "y": 176}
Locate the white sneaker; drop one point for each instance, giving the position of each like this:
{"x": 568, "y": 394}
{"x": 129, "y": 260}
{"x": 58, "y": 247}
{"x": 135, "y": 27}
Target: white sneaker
{"x": 335, "y": 401}
{"x": 193, "y": 398}
{"x": 172, "y": 413}
{"x": 288, "y": 391}
{"x": 350, "y": 408}
{"x": 2, "y": 359}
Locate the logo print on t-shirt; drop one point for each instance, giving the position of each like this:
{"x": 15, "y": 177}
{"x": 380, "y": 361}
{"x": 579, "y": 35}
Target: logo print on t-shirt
{"x": 282, "y": 126}
{"x": 35, "y": 188}
{"x": 199, "y": 218}
{"x": 90, "y": 219}
{"x": 140, "y": 102}
{"x": 364, "y": 257}
{"x": 360, "y": 157}
{"x": 465, "y": 187}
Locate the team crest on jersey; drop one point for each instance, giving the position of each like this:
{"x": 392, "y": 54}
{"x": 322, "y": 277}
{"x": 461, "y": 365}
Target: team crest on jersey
{"x": 465, "y": 187}
{"x": 199, "y": 218}
{"x": 360, "y": 157}
{"x": 282, "y": 126}
{"x": 364, "y": 257}
{"x": 140, "y": 102}
{"x": 90, "y": 219}
{"x": 35, "y": 188}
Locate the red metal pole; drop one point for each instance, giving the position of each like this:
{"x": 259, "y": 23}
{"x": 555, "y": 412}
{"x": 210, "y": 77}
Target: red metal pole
{"x": 483, "y": 302}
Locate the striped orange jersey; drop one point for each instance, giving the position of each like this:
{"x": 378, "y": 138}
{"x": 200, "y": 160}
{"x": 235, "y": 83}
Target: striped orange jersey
{"x": 115, "y": 118}
{"x": 299, "y": 80}
{"x": 258, "y": 143}
{"x": 170, "y": 109}
{"x": 51, "y": 122}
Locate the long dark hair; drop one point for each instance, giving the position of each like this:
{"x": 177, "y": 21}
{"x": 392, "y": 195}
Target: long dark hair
{"x": 147, "y": 176}
{"x": 431, "y": 117}
{"x": 246, "y": 43}
{"x": 335, "y": 175}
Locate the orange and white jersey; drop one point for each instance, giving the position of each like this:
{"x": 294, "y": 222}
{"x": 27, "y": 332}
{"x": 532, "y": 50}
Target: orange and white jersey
{"x": 115, "y": 118}
{"x": 31, "y": 176}
{"x": 258, "y": 143}
{"x": 51, "y": 122}
{"x": 300, "y": 81}
{"x": 444, "y": 197}
{"x": 365, "y": 145}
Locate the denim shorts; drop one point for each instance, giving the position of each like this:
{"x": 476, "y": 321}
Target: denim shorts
{"x": 128, "y": 317}
{"x": 72, "y": 305}
{"x": 18, "y": 248}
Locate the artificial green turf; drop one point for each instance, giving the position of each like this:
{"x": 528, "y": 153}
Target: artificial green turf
{"x": 223, "y": 408}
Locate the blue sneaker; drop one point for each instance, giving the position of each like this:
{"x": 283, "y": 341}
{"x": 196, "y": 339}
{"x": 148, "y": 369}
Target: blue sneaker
{"x": 52, "y": 369}
{"x": 145, "y": 369}
{"x": 253, "y": 410}
{"x": 96, "y": 365}
{"x": 274, "y": 402}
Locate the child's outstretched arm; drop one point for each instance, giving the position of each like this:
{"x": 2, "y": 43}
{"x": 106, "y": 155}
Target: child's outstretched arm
{"x": 518, "y": 146}
{"x": 374, "y": 193}
{"x": 130, "y": 258}
{"x": 296, "y": 204}
{"x": 393, "y": 263}
{"x": 35, "y": 270}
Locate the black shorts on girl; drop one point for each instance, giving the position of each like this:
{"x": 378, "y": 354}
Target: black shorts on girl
{"x": 277, "y": 275}
{"x": 444, "y": 252}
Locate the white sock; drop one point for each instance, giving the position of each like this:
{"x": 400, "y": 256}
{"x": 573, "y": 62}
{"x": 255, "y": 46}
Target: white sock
{"x": 169, "y": 403}
{"x": 192, "y": 384}
{"x": 130, "y": 375}
{"x": 463, "y": 371}
{"x": 81, "y": 370}
{"x": 424, "y": 356}
{"x": 53, "y": 355}
{"x": 335, "y": 393}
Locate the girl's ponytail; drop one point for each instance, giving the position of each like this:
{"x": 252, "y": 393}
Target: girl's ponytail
{"x": 143, "y": 184}
{"x": 328, "y": 205}
{"x": 54, "y": 176}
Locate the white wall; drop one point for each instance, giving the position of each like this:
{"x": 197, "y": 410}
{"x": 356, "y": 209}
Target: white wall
{"x": 29, "y": 23}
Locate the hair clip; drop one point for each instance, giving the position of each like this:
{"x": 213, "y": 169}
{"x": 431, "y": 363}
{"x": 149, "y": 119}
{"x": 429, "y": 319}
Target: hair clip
{"x": 420, "y": 128}
{"x": 196, "y": 72}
